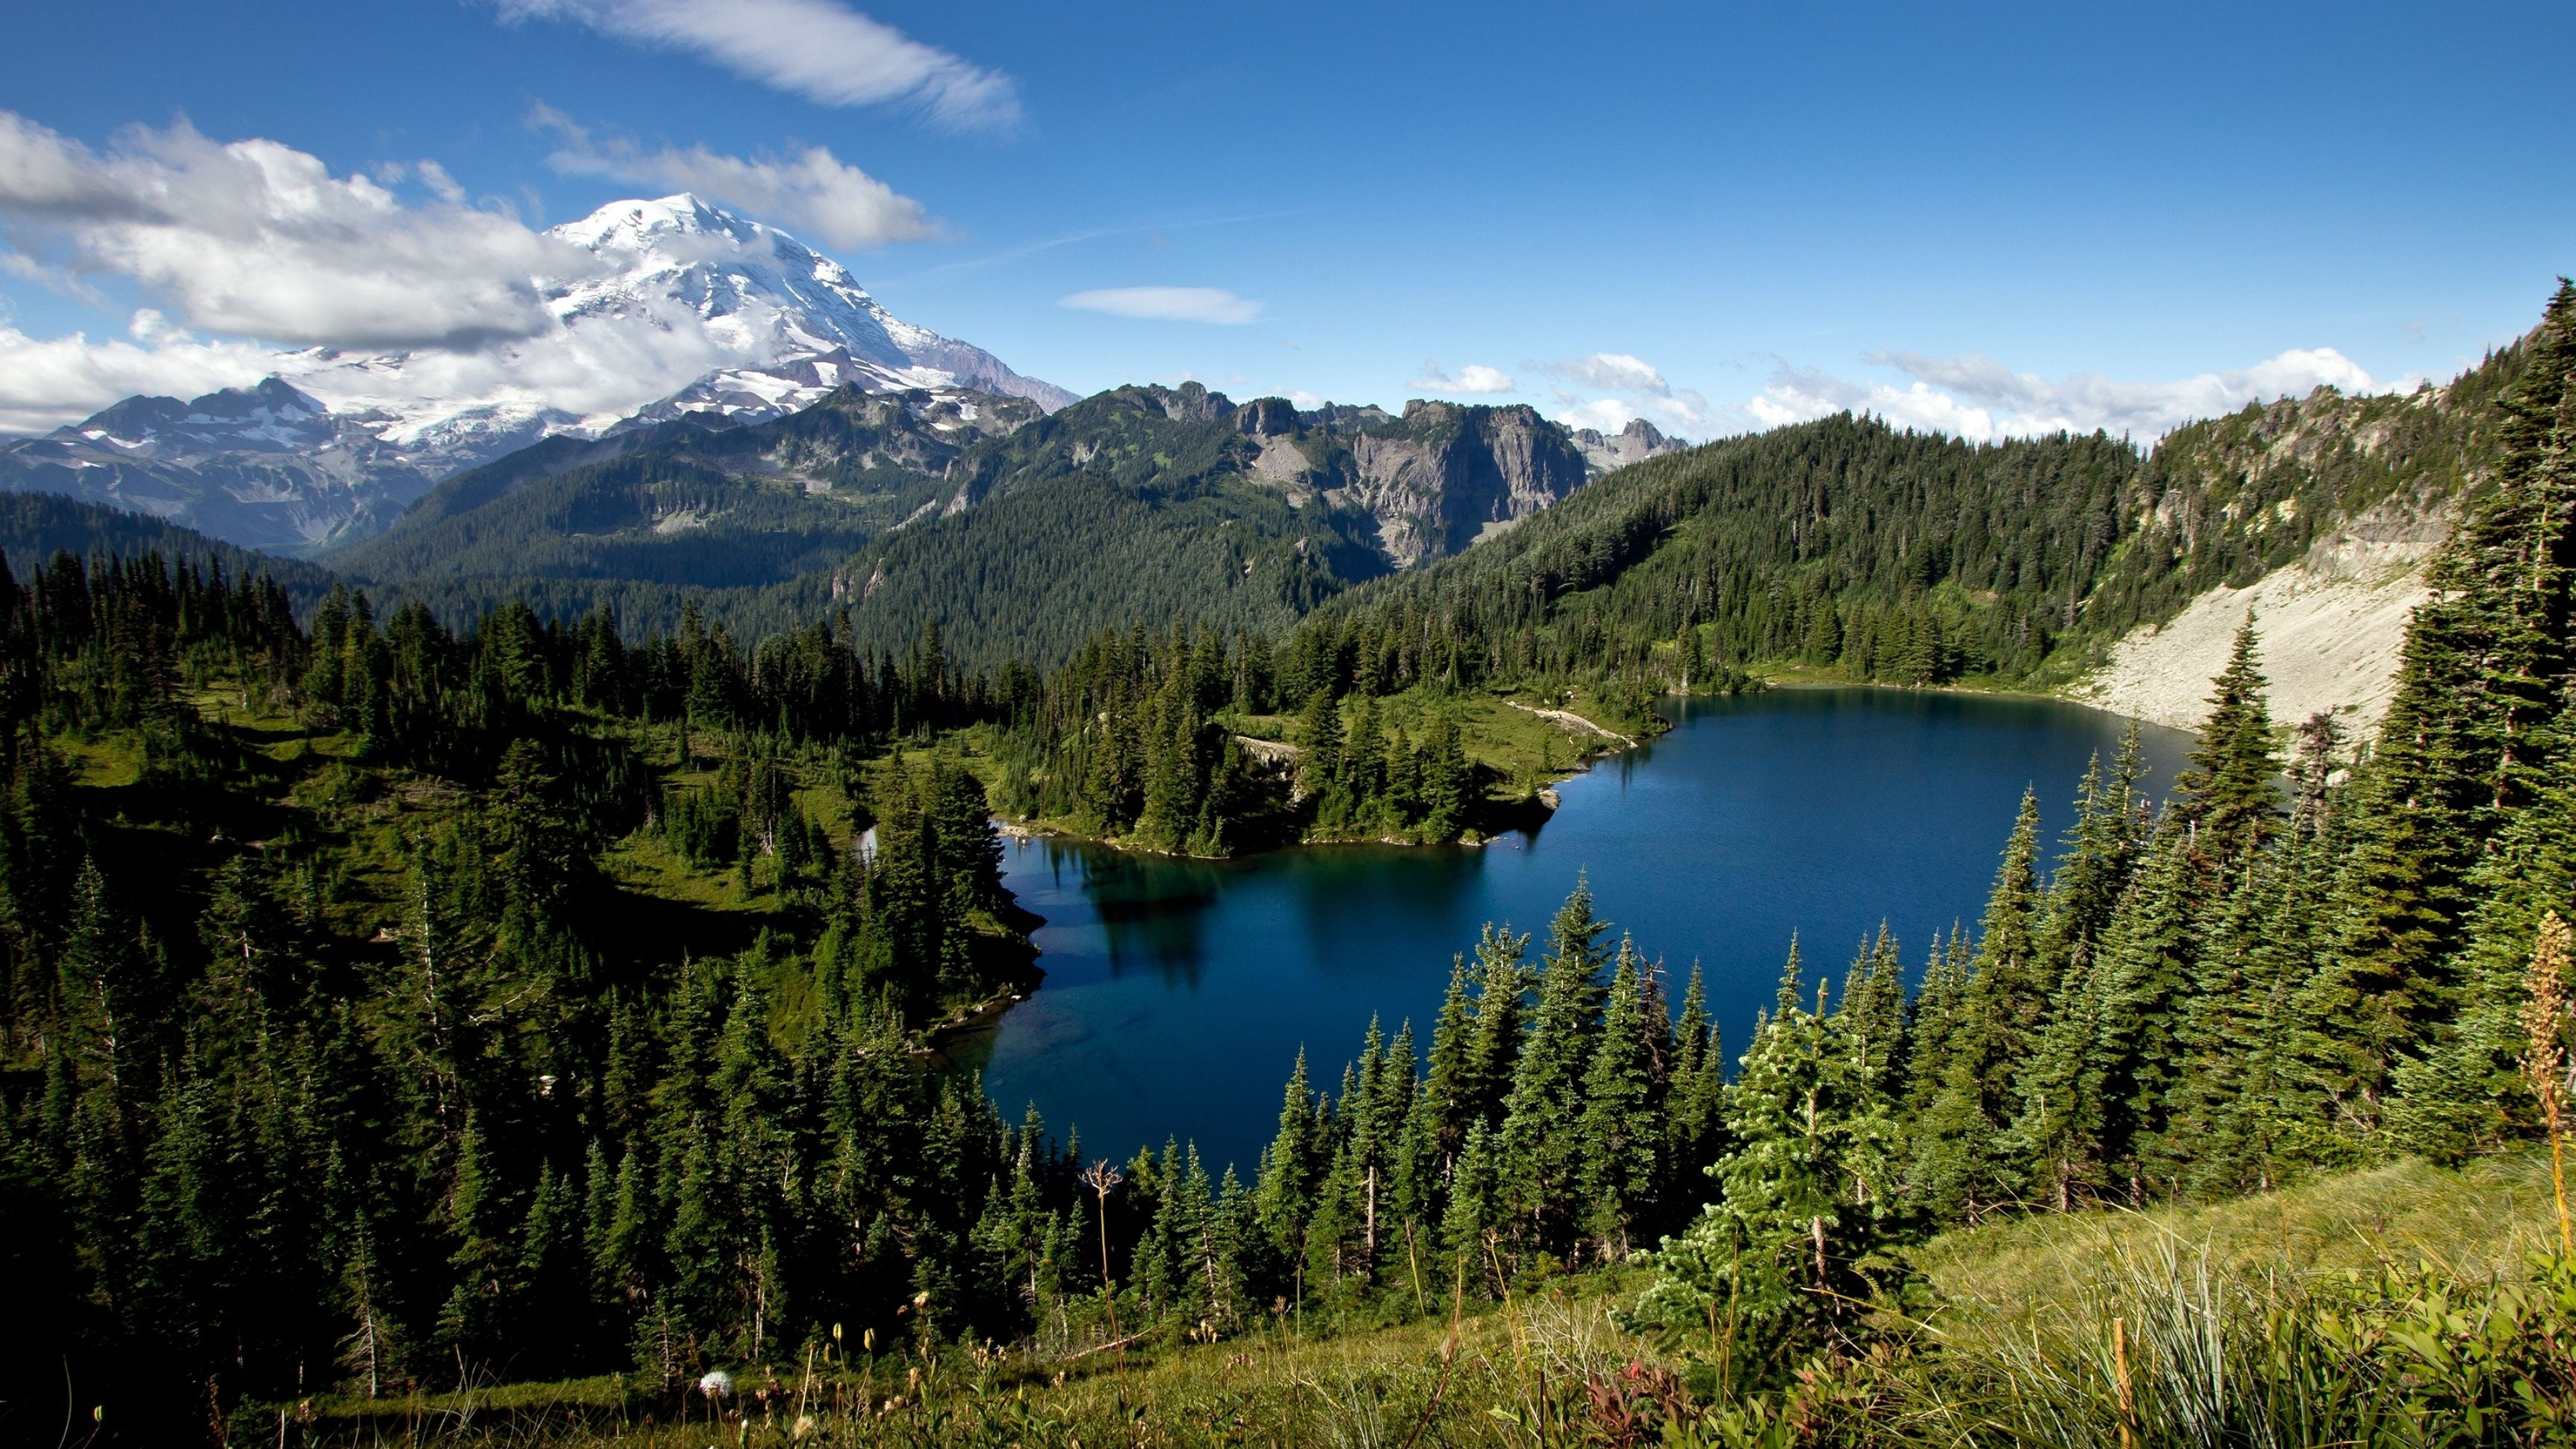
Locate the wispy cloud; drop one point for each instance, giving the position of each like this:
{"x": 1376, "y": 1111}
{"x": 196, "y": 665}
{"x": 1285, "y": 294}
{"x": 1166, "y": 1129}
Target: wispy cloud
{"x": 1167, "y": 304}
{"x": 812, "y": 192}
{"x": 818, "y": 49}
{"x": 258, "y": 239}
{"x": 1475, "y": 378}
{"x": 1636, "y": 388}
{"x": 1612, "y": 372}
{"x": 1972, "y": 396}
{"x": 1154, "y": 225}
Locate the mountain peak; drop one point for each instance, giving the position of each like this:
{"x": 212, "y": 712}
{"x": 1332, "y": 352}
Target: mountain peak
{"x": 629, "y": 223}
{"x": 666, "y": 307}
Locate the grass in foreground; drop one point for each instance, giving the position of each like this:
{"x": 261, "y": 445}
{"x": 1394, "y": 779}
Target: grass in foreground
{"x": 2402, "y": 1305}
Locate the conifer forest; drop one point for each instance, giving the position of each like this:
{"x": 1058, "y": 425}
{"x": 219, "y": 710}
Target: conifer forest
{"x": 366, "y": 1037}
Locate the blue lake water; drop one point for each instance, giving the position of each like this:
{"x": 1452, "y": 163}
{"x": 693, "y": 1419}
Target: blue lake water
{"x": 1179, "y": 992}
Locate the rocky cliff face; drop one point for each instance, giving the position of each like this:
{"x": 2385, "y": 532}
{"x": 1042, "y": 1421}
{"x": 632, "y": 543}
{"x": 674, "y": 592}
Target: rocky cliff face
{"x": 1634, "y": 443}
{"x": 1444, "y": 476}
{"x": 1431, "y": 482}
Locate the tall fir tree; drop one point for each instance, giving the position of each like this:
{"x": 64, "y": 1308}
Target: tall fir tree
{"x": 2228, "y": 795}
{"x": 1623, "y": 1099}
{"x": 1538, "y": 1160}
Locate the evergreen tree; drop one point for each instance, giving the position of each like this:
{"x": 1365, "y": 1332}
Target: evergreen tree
{"x": 477, "y": 1210}
{"x": 1959, "y": 1167}
{"x": 2462, "y": 1091}
{"x": 1695, "y": 1102}
{"x": 2228, "y": 795}
{"x": 1475, "y": 1215}
{"x": 1782, "y": 1251}
{"x": 2464, "y": 746}
{"x": 1494, "y": 1047}
{"x": 1292, "y": 1167}
{"x": 1536, "y": 1158}
{"x": 2146, "y": 983}
{"x": 1623, "y": 1091}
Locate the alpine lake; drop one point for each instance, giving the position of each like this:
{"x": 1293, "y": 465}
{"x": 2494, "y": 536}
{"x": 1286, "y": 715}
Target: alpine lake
{"x": 1178, "y": 992}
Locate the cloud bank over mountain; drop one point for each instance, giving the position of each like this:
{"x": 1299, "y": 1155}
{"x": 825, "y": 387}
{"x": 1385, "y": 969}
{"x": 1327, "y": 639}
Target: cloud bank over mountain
{"x": 811, "y": 191}
{"x": 260, "y": 240}
{"x": 392, "y": 294}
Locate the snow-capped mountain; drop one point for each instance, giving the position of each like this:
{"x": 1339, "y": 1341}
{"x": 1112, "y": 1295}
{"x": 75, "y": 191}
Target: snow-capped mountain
{"x": 685, "y": 308}
{"x": 681, "y": 295}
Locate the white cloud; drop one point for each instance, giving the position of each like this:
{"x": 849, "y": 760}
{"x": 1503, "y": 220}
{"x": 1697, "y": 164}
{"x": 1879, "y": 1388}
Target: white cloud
{"x": 1611, "y": 372}
{"x": 64, "y": 379}
{"x": 2088, "y": 400}
{"x": 440, "y": 184}
{"x": 1167, "y": 304}
{"x": 258, "y": 239}
{"x": 1475, "y": 377}
{"x": 1975, "y": 397}
{"x": 1802, "y": 395}
{"x": 813, "y": 192}
{"x": 1638, "y": 390}
{"x": 823, "y": 51}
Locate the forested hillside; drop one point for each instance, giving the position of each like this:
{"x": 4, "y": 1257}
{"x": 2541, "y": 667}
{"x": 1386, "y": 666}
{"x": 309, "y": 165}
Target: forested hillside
{"x": 1847, "y": 546}
{"x": 685, "y": 504}
{"x": 1018, "y": 536}
{"x": 36, "y": 526}
{"x": 326, "y": 943}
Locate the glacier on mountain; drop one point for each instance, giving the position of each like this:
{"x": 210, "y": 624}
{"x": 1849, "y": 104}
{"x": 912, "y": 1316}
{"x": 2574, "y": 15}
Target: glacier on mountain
{"x": 684, "y": 297}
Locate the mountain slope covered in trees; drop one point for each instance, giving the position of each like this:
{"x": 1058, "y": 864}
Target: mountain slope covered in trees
{"x": 1019, "y": 536}
{"x": 681, "y": 504}
{"x": 1847, "y": 546}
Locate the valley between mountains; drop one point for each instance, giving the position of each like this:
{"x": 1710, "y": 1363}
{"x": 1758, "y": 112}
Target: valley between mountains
{"x": 842, "y": 462}
{"x": 496, "y": 890}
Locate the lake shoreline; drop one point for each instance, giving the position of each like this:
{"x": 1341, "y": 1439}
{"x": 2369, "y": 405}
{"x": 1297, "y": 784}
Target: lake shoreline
{"x": 1180, "y": 992}
{"x": 1802, "y": 680}
{"x": 1542, "y": 808}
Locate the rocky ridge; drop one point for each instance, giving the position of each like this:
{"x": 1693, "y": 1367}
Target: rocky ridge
{"x": 1432, "y": 481}
{"x": 1634, "y": 443}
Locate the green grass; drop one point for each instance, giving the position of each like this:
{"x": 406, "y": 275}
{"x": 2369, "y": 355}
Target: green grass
{"x": 2483, "y": 1222}
{"x": 1509, "y": 1367}
{"x": 2228, "y": 1319}
{"x": 646, "y": 863}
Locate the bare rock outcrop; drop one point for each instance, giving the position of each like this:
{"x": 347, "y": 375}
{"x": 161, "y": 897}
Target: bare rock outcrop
{"x": 1447, "y": 475}
{"x": 1634, "y": 443}
{"x": 2330, "y": 630}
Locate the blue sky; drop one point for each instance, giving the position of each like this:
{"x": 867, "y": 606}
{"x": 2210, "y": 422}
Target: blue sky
{"x": 1989, "y": 218}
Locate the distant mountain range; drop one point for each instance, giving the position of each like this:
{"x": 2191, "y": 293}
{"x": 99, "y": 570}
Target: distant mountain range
{"x": 1019, "y": 531}
{"x": 726, "y": 415}
{"x": 753, "y": 323}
